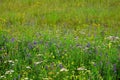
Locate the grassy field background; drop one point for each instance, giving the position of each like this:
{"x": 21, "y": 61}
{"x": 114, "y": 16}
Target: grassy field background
{"x": 59, "y": 39}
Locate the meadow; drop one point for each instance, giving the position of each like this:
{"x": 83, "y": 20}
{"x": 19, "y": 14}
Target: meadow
{"x": 59, "y": 39}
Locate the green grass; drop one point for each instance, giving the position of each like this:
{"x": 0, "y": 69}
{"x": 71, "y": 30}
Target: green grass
{"x": 59, "y": 40}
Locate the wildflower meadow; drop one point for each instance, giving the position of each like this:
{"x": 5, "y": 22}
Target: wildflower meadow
{"x": 59, "y": 39}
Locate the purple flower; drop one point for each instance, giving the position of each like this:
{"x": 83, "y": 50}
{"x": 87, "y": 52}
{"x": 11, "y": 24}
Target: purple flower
{"x": 88, "y": 45}
{"x": 78, "y": 46}
{"x": 35, "y": 42}
{"x": 61, "y": 66}
{"x": 13, "y": 39}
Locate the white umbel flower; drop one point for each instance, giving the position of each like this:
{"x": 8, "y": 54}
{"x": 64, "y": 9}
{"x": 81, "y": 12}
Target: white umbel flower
{"x": 63, "y": 70}
{"x": 9, "y": 72}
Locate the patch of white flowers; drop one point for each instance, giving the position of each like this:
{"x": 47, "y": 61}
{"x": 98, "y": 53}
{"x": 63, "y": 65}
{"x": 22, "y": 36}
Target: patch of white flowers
{"x": 9, "y": 72}
{"x": 3, "y": 76}
{"x": 113, "y": 38}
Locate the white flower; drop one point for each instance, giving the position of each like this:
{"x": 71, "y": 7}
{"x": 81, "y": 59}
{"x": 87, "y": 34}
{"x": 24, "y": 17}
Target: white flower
{"x": 2, "y": 76}
{"x": 12, "y": 71}
{"x": 5, "y": 61}
{"x": 113, "y": 38}
{"x": 9, "y": 72}
{"x": 92, "y": 63}
{"x": 63, "y": 69}
{"x": 81, "y": 69}
{"x": 11, "y": 61}
{"x": 28, "y": 67}
{"x": 13, "y": 64}
{"x": 38, "y": 62}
